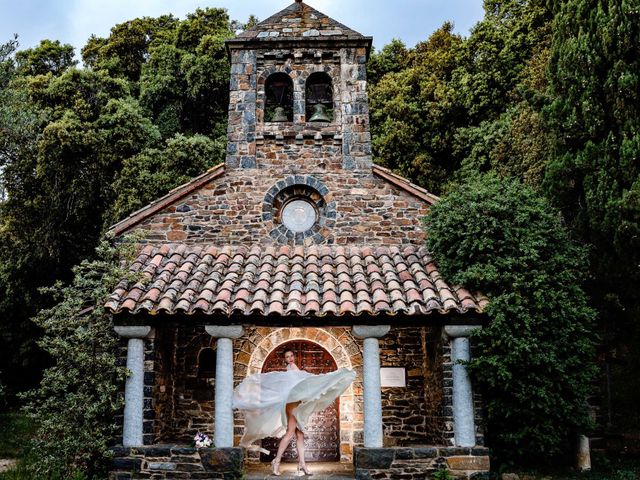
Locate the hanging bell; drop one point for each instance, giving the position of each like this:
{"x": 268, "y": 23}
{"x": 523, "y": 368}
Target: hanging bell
{"x": 279, "y": 115}
{"x": 320, "y": 114}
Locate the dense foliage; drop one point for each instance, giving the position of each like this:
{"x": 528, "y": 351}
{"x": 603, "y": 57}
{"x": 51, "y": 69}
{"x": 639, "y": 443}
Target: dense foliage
{"x": 548, "y": 93}
{"x": 537, "y": 351}
{"x": 82, "y": 148}
{"x": 541, "y": 91}
{"x": 75, "y": 406}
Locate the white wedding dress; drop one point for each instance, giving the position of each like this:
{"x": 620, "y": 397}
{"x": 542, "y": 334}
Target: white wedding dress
{"x": 263, "y": 399}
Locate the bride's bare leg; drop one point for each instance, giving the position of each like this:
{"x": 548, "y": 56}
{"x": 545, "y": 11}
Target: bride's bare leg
{"x": 300, "y": 445}
{"x": 291, "y": 431}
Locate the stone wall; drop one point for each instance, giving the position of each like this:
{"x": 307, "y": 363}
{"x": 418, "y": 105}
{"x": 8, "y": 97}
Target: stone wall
{"x": 176, "y": 461}
{"x": 413, "y": 415}
{"x": 419, "y": 463}
{"x": 229, "y": 211}
{"x": 179, "y": 392}
{"x": 184, "y": 392}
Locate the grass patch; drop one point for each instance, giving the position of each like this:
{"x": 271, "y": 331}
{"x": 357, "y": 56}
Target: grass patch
{"x": 15, "y": 430}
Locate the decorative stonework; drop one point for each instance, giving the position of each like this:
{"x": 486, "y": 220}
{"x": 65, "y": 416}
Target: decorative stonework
{"x": 304, "y": 187}
{"x": 344, "y": 349}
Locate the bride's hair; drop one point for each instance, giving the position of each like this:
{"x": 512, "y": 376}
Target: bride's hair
{"x": 287, "y": 351}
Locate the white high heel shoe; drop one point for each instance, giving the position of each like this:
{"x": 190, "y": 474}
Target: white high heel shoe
{"x": 304, "y": 469}
{"x": 275, "y": 467}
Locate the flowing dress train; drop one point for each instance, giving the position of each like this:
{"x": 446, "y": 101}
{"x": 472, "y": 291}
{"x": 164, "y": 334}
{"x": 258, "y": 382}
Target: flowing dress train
{"x": 263, "y": 398}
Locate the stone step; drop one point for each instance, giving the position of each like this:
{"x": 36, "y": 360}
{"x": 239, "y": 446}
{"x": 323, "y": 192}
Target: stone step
{"x": 320, "y": 471}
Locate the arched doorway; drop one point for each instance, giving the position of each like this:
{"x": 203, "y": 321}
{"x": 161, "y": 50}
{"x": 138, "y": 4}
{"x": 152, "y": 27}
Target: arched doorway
{"x": 322, "y": 440}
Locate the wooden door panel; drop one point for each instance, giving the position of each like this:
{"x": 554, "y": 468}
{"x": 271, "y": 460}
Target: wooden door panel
{"x": 322, "y": 441}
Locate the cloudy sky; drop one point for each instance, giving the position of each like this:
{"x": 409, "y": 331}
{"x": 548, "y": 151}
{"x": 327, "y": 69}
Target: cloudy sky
{"x": 72, "y": 21}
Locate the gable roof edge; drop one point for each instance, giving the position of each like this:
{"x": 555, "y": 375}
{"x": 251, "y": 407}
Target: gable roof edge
{"x": 161, "y": 203}
{"x": 405, "y": 184}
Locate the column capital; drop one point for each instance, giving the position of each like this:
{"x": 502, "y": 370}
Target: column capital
{"x": 370, "y": 331}
{"x": 457, "y": 331}
{"x": 133, "y": 331}
{"x": 232, "y": 331}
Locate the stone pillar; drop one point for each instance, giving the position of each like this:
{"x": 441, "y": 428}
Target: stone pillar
{"x": 132, "y": 433}
{"x": 372, "y": 389}
{"x": 223, "y": 422}
{"x": 584, "y": 454}
{"x": 464, "y": 427}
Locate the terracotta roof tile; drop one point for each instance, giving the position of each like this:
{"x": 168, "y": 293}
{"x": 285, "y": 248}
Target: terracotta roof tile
{"x": 286, "y": 281}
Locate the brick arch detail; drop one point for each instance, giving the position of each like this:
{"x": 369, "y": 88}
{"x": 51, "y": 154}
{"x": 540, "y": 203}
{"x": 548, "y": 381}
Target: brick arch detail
{"x": 344, "y": 349}
{"x": 316, "y": 335}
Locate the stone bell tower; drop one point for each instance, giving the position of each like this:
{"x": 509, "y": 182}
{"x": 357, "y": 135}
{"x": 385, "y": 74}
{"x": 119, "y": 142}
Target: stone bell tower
{"x": 298, "y": 99}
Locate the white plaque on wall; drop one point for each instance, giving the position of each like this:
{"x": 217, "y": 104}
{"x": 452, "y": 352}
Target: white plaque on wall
{"x": 393, "y": 377}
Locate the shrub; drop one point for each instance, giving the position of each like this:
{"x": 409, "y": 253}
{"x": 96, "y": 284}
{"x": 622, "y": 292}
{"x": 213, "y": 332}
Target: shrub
{"x": 535, "y": 357}
{"x": 76, "y": 403}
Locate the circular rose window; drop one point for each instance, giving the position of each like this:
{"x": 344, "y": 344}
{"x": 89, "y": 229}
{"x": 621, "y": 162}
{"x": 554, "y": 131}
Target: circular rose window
{"x": 299, "y": 215}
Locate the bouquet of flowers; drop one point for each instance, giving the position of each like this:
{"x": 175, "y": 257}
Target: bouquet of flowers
{"x": 202, "y": 441}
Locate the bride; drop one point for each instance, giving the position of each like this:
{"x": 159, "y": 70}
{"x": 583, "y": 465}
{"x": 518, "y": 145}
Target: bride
{"x": 279, "y": 404}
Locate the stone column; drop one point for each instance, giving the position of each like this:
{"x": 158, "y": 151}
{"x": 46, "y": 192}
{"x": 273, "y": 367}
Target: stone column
{"x": 132, "y": 434}
{"x": 464, "y": 427}
{"x": 584, "y": 454}
{"x": 372, "y": 389}
{"x": 223, "y": 422}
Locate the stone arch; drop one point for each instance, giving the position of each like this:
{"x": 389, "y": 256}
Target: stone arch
{"x": 342, "y": 346}
{"x": 319, "y": 336}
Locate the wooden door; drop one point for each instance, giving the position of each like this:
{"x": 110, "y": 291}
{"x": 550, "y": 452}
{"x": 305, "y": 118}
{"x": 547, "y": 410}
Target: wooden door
{"x": 322, "y": 440}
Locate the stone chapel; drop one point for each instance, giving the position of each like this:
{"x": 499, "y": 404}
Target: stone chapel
{"x": 298, "y": 241}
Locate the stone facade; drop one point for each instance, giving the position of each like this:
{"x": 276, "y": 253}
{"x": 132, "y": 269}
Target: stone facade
{"x": 418, "y": 463}
{"x": 240, "y": 204}
{"x": 177, "y": 461}
{"x": 179, "y": 389}
{"x": 229, "y": 211}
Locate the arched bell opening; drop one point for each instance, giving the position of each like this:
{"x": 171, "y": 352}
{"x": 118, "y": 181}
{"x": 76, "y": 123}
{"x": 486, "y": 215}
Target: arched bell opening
{"x": 279, "y": 98}
{"x": 319, "y": 98}
{"x": 322, "y": 440}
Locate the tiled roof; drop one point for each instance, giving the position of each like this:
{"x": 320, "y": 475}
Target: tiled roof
{"x": 299, "y": 21}
{"x": 286, "y": 281}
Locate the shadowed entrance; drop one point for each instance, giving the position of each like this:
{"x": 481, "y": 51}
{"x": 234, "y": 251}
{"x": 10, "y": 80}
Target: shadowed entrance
{"x": 322, "y": 440}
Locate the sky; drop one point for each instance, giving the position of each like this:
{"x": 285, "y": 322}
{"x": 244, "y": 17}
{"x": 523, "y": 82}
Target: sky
{"x": 73, "y": 21}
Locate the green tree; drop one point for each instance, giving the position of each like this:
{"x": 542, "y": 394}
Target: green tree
{"x": 48, "y": 57}
{"x": 536, "y": 353}
{"x": 594, "y": 111}
{"x": 126, "y": 49}
{"x": 185, "y": 85}
{"x": 496, "y": 52}
{"x": 58, "y": 175}
{"x": 393, "y": 58}
{"x": 76, "y": 403}
{"x": 155, "y": 171}
{"x": 414, "y": 112}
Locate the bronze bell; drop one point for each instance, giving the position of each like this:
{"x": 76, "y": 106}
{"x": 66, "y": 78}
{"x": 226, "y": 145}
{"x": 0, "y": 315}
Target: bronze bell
{"x": 279, "y": 115}
{"x": 320, "y": 114}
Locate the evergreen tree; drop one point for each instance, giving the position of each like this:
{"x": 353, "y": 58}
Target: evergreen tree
{"x": 594, "y": 111}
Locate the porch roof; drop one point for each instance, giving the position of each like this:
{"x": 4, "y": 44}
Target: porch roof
{"x": 289, "y": 281}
